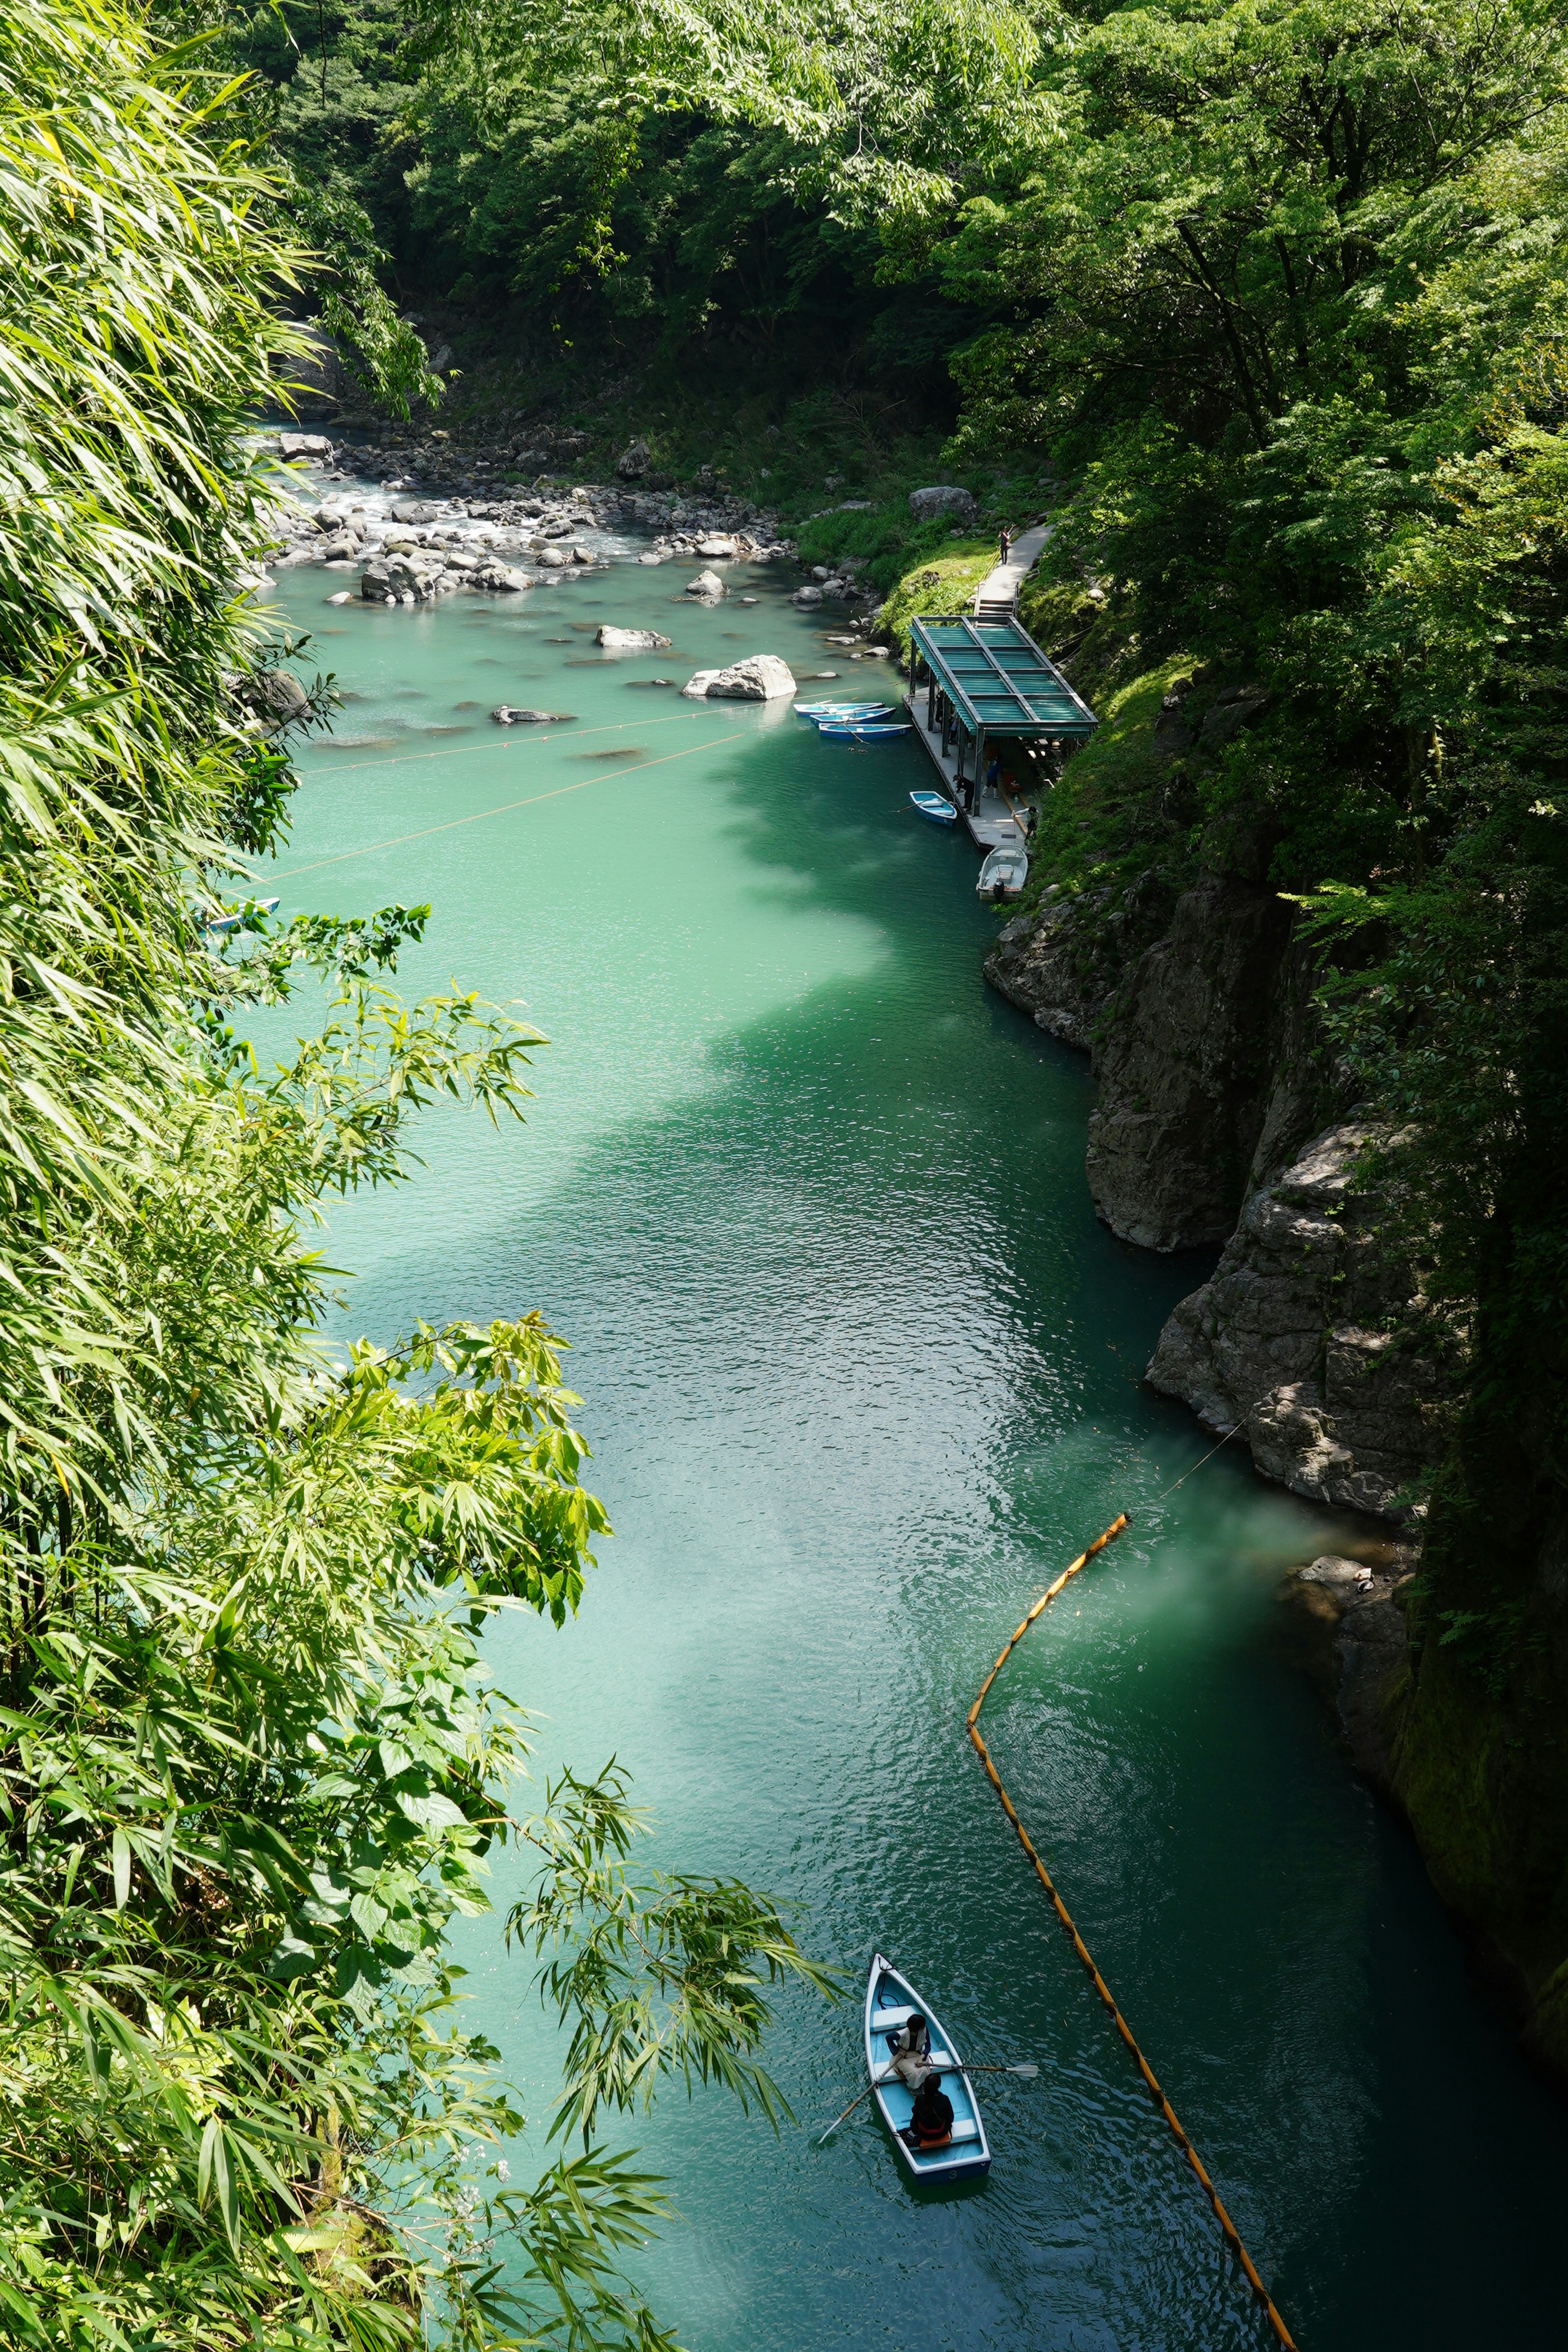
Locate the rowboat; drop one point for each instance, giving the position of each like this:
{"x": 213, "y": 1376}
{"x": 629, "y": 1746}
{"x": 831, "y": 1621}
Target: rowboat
{"x": 966, "y": 2154}
{"x": 1005, "y": 872}
{"x": 231, "y": 921}
{"x": 847, "y": 711}
{"x": 941, "y": 811}
{"x": 859, "y": 731}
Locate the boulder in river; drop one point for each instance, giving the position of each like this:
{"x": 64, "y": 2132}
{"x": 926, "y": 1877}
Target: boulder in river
{"x": 806, "y": 598}
{"x": 762, "y": 678}
{"x": 630, "y": 641}
{"x": 506, "y": 714}
{"x": 718, "y": 547}
{"x": 942, "y": 498}
{"x": 698, "y": 684}
{"x": 304, "y": 444}
{"x": 496, "y": 578}
{"x": 414, "y": 511}
{"x": 552, "y": 560}
{"x": 343, "y": 597}
{"x": 706, "y": 585}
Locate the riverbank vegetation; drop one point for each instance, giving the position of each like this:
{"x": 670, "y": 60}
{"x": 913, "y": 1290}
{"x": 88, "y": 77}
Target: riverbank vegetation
{"x": 1265, "y": 304}
{"x": 251, "y": 1763}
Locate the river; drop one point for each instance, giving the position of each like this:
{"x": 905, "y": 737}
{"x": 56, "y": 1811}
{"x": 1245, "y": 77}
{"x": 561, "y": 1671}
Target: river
{"x": 860, "y": 1374}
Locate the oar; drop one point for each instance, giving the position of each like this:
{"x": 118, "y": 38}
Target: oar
{"x": 1027, "y": 2070}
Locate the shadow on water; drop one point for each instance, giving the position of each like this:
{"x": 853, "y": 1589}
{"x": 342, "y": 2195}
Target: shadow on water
{"x": 862, "y": 1372}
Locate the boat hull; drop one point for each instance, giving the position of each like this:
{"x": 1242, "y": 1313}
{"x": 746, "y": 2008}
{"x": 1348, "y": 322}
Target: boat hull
{"x": 890, "y": 1996}
{"x": 933, "y": 808}
{"x": 1004, "y": 874}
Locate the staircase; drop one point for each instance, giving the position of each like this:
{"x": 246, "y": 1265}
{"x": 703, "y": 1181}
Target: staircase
{"x": 997, "y": 598}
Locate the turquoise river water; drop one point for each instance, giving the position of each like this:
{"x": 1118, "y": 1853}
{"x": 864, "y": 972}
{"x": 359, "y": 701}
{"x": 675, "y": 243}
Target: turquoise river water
{"x": 860, "y": 1374}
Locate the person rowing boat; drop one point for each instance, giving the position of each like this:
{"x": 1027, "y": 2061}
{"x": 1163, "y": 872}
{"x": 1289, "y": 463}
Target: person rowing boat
{"x": 931, "y": 2124}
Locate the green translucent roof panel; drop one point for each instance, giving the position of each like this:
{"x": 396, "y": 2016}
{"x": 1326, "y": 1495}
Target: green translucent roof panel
{"x": 997, "y": 678}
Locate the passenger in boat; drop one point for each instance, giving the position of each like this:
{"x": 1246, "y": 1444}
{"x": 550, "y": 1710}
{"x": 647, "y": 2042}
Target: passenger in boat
{"x": 911, "y": 2046}
{"x": 932, "y": 2122}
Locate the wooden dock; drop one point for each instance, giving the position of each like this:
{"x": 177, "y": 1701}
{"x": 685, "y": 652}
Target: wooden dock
{"x": 991, "y": 823}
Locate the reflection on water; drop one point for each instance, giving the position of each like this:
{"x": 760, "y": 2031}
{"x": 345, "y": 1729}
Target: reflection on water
{"x": 860, "y": 1372}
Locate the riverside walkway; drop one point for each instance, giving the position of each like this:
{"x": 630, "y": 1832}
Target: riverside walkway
{"x": 997, "y": 598}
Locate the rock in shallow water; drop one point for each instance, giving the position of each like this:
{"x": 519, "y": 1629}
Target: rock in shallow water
{"x": 762, "y": 678}
{"x": 506, "y": 714}
{"x": 706, "y": 585}
{"x": 630, "y": 641}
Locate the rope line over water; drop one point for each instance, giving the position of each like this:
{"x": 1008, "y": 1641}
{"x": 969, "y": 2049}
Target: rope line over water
{"x": 1232, "y": 2235}
{"x": 557, "y": 793}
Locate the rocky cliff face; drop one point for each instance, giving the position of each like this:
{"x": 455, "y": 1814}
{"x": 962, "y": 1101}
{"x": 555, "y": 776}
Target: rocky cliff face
{"x": 1310, "y": 1338}
{"x": 1186, "y": 1069}
{"x": 1220, "y": 1113}
{"x": 1063, "y": 963}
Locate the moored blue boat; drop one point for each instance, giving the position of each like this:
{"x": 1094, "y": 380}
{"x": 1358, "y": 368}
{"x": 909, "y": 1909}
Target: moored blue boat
{"x": 935, "y": 807}
{"x": 965, "y": 2155}
{"x": 859, "y": 731}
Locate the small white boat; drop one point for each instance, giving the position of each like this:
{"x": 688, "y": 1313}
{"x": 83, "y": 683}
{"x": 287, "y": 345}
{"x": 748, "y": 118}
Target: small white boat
{"x": 857, "y": 731}
{"x": 965, "y": 2153}
{"x": 1005, "y": 872}
{"x": 232, "y": 920}
{"x": 936, "y": 806}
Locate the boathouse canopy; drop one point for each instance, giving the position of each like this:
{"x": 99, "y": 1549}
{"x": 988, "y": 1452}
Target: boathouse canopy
{"x": 998, "y": 680}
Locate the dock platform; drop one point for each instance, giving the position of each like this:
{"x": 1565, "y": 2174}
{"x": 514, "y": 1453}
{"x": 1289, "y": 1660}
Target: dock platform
{"x": 991, "y": 822}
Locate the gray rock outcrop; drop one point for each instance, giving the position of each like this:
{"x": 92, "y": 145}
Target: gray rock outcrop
{"x": 1312, "y": 1337}
{"x": 1186, "y": 1067}
{"x": 1063, "y": 962}
{"x": 762, "y": 678}
{"x": 942, "y": 498}
{"x": 630, "y": 641}
{"x": 708, "y": 585}
{"x": 634, "y": 461}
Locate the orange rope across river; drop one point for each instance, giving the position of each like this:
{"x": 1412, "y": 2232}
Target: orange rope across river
{"x": 1232, "y": 2236}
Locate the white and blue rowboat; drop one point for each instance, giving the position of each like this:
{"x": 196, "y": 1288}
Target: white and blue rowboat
{"x": 841, "y": 710}
{"x": 231, "y": 921}
{"x": 1005, "y": 872}
{"x": 859, "y": 731}
{"x": 933, "y": 805}
{"x": 967, "y": 2155}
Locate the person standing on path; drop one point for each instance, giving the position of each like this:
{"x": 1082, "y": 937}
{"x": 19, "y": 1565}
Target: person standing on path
{"x": 1005, "y": 540}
